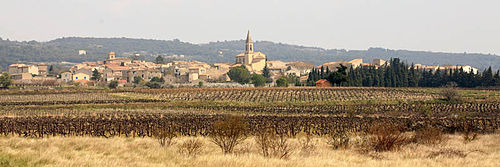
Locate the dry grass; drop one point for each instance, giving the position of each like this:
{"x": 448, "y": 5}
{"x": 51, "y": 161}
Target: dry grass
{"x": 88, "y": 151}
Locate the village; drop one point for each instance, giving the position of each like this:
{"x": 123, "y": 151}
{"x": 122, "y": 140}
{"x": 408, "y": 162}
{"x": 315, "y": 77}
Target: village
{"x": 130, "y": 72}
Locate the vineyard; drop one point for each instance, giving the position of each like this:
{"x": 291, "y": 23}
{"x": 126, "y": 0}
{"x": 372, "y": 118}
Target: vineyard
{"x": 191, "y": 112}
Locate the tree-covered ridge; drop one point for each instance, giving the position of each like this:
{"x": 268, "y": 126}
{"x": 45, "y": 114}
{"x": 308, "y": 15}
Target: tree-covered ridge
{"x": 66, "y": 49}
{"x": 401, "y": 74}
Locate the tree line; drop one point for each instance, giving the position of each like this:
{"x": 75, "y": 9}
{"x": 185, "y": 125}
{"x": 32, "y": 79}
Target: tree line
{"x": 397, "y": 73}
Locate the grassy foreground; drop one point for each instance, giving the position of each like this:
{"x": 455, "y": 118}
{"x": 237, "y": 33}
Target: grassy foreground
{"x": 92, "y": 151}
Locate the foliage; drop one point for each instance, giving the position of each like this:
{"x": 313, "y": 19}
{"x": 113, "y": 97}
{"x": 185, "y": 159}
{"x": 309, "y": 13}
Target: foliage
{"x": 5, "y": 80}
{"x": 113, "y": 84}
{"x": 96, "y": 75}
{"x": 386, "y": 137}
{"x": 258, "y": 80}
{"x": 265, "y": 72}
{"x": 450, "y": 94}
{"x": 153, "y": 85}
{"x": 159, "y": 60}
{"x": 200, "y": 84}
{"x": 157, "y": 79}
{"x": 228, "y": 133}
{"x": 429, "y": 135}
{"x": 282, "y": 82}
{"x": 399, "y": 74}
{"x": 191, "y": 147}
{"x": 239, "y": 74}
{"x": 165, "y": 136}
{"x": 272, "y": 145}
{"x": 338, "y": 139}
{"x": 137, "y": 80}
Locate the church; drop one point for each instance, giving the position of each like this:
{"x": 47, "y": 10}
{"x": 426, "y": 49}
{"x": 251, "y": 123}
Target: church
{"x": 253, "y": 61}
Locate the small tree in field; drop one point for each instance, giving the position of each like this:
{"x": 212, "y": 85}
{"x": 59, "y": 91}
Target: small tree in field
{"x": 113, "y": 84}
{"x": 258, "y": 80}
{"x": 282, "y": 82}
{"x": 228, "y": 133}
{"x": 5, "y": 81}
{"x": 239, "y": 74}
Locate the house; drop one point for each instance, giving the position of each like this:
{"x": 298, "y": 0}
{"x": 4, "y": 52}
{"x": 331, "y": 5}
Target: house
{"x": 23, "y": 68}
{"x": 82, "y": 75}
{"x": 66, "y": 76}
{"x": 323, "y": 83}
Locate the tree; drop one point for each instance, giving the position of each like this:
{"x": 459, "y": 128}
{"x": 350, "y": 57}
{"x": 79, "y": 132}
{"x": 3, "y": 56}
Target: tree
{"x": 239, "y": 74}
{"x": 153, "y": 85}
{"x": 5, "y": 81}
{"x": 265, "y": 72}
{"x": 96, "y": 75}
{"x": 159, "y": 60}
{"x": 200, "y": 84}
{"x": 137, "y": 80}
{"x": 282, "y": 82}
{"x": 51, "y": 68}
{"x": 339, "y": 76}
{"x": 113, "y": 84}
{"x": 228, "y": 133}
{"x": 157, "y": 79}
{"x": 258, "y": 80}
{"x": 155, "y": 82}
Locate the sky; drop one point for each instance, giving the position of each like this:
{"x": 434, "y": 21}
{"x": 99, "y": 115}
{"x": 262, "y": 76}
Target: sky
{"x": 471, "y": 26}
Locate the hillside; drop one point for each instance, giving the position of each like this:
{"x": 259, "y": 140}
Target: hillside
{"x": 66, "y": 49}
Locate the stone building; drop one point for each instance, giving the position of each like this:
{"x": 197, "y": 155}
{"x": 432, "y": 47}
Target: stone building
{"x": 253, "y": 61}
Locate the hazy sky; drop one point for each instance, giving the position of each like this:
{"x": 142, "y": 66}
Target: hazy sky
{"x": 428, "y": 25}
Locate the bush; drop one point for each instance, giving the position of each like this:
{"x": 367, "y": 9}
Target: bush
{"x": 307, "y": 146}
{"x": 191, "y": 147}
{"x": 153, "y": 85}
{"x": 272, "y": 145}
{"x": 282, "y": 82}
{"x": 239, "y": 74}
{"x": 386, "y": 137}
{"x": 165, "y": 137}
{"x": 469, "y": 134}
{"x": 258, "y": 80}
{"x": 228, "y": 133}
{"x": 338, "y": 139}
{"x": 5, "y": 81}
{"x": 429, "y": 135}
{"x": 450, "y": 94}
{"x": 113, "y": 84}
{"x": 137, "y": 80}
{"x": 200, "y": 84}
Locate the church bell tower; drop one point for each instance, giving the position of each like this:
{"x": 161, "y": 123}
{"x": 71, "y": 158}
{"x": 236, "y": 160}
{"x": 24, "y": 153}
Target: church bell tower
{"x": 249, "y": 43}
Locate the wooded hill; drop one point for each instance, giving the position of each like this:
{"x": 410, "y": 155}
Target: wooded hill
{"x": 66, "y": 49}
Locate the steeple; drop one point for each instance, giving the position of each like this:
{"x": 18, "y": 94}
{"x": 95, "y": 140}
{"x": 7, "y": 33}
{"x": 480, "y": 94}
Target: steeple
{"x": 249, "y": 43}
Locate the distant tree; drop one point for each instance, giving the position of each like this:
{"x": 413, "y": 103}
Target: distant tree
{"x": 159, "y": 60}
{"x": 137, "y": 80}
{"x": 5, "y": 81}
{"x": 282, "y": 82}
{"x": 113, "y": 84}
{"x": 339, "y": 76}
{"x": 265, "y": 72}
{"x": 258, "y": 80}
{"x": 157, "y": 79}
{"x": 51, "y": 68}
{"x": 96, "y": 75}
{"x": 239, "y": 74}
{"x": 153, "y": 85}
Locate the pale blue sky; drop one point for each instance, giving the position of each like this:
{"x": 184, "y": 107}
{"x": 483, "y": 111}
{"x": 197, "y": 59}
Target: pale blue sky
{"x": 428, "y": 25}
